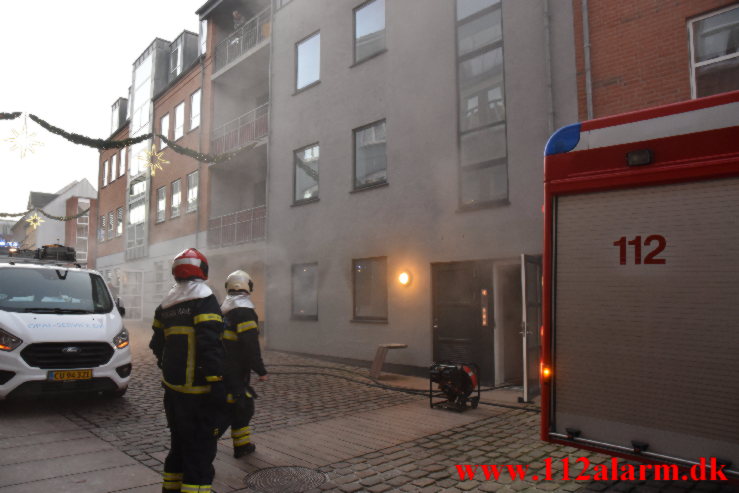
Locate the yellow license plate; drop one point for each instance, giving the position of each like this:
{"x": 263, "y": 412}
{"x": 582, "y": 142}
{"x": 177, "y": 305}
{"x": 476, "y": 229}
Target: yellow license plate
{"x": 70, "y": 375}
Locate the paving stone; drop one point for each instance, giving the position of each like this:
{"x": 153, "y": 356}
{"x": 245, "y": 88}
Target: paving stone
{"x": 379, "y": 488}
{"x": 423, "y": 482}
{"x": 350, "y": 487}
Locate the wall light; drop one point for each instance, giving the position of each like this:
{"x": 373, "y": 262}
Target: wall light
{"x": 404, "y": 278}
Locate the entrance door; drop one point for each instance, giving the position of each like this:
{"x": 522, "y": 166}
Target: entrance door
{"x": 132, "y": 293}
{"x": 463, "y": 315}
{"x": 530, "y": 327}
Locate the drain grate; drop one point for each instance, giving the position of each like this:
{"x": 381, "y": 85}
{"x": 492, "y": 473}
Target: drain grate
{"x": 285, "y": 479}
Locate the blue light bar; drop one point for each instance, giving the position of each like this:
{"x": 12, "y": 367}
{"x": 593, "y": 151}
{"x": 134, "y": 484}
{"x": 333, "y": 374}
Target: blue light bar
{"x": 563, "y": 140}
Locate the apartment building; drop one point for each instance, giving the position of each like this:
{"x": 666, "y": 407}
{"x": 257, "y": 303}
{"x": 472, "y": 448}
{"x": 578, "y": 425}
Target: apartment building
{"x": 205, "y": 93}
{"x": 633, "y": 55}
{"x": 405, "y": 178}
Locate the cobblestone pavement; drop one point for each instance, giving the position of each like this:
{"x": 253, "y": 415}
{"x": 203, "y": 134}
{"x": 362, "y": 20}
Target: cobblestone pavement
{"x": 299, "y": 393}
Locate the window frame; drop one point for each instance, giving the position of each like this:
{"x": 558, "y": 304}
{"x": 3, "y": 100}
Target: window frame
{"x": 111, "y": 229}
{"x": 459, "y": 61}
{"x": 354, "y": 33}
{"x": 161, "y": 214}
{"x": 297, "y": 201}
{"x": 174, "y": 210}
{"x": 163, "y": 131}
{"x": 119, "y": 223}
{"x": 297, "y": 62}
{"x": 105, "y": 174}
{"x": 298, "y": 316}
{"x": 691, "y": 47}
{"x": 369, "y": 319}
{"x": 192, "y": 206}
{"x": 192, "y": 111}
{"x": 177, "y": 126}
{"x": 370, "y": 186}
{"x": 101, "y": 228}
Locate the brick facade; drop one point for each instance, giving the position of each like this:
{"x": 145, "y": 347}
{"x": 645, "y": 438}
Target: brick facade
{"x": 639, "y": 52}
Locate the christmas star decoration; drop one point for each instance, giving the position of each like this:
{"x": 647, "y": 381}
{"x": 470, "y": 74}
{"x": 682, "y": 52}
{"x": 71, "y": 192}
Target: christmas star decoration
{"x": 35, "y": 220}
{"x": 23, "y": 141}
{"x": 153, "y": 159}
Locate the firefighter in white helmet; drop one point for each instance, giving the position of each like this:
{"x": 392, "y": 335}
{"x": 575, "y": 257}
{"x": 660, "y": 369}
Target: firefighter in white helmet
{"x": 241, "y": 340}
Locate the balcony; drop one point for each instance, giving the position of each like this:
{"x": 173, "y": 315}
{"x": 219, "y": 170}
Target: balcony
{"x": 249, "y": 127}
{"x": 237, "y": 227}
{"x": 243, "y": 39}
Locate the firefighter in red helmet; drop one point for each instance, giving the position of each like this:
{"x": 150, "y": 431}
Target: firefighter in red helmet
{"x": 188, "y": 329}
{"x": 241, "y": 340}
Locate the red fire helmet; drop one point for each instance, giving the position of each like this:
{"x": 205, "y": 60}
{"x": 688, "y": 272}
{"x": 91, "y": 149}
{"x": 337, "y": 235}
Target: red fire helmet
{"x": 190, "y": 264}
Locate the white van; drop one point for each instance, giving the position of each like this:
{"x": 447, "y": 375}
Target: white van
{"x": 60, "y": 331}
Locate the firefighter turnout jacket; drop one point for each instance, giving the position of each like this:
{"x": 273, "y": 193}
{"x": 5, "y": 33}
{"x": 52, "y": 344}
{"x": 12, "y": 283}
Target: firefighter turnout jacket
{"x": 187, "y": 344}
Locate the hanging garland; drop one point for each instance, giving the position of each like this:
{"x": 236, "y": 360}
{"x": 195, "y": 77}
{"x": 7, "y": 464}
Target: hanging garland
{"x": 8, "y": 214}
{"x": 104, "y": 144}
{"x": 63, "y": 218}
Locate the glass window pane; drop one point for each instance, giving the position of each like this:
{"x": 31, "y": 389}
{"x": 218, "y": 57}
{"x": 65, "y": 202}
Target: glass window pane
{"x": 119, "y": 224}
{"x": 466, "y": 8}
{"x": 479, "y": 69}
{"x": 717, "y": 77}
{"x": 484, "y": 184}
{"x": 370, "y": 159}
{"x": 305, "y": 291}
{"x": 306, "y": 173}
{"x": 479, "y": 32}
{"x": 717, "y": 35}
{"x": 370, "y": 288}
{"x": 309, "y": 61}
{"x": 176, "y": 199}
{"x": 192, "y": 192}
{"x": 481, "y": 105}
{"x": 161, "y": 203}
{"x": 164, "y": 130}
{"x": 369, "y": 35}
{"x": 483, "y": 145}
{"x": 179, "y": 121}
{"x": 195, "y": 110}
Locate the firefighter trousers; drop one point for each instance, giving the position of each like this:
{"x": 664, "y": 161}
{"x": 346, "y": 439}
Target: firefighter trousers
{"x": 242, "y": 409}
{"x": 193, "y": 425}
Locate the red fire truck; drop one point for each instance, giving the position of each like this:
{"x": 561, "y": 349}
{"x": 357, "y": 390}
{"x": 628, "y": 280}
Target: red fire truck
{"x": 640, "y": 339}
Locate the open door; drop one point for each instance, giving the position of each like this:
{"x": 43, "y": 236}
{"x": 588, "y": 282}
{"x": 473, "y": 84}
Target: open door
{"x": 530, "y": 326}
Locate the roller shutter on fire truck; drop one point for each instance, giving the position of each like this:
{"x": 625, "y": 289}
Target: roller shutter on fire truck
{"x": 642, "y": 284}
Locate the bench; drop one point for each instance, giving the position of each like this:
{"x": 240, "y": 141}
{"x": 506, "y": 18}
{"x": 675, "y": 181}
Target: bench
{"x": 380, "y": 358}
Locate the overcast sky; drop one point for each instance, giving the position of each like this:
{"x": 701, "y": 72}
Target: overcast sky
{"x": 67, "y": 62}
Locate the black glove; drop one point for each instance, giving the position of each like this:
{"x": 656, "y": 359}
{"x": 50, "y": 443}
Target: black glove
{"x": 218, "y": 394}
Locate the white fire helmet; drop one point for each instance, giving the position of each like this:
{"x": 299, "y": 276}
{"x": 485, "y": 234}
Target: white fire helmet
{"x": 239, "y": 281}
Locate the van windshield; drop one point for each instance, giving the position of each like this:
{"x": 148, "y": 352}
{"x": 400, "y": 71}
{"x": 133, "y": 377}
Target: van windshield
{"x": 59, "y": 291}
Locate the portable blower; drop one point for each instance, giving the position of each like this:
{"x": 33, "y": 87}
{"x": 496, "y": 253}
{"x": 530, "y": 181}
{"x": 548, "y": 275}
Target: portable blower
{"x": 455, "y": 384}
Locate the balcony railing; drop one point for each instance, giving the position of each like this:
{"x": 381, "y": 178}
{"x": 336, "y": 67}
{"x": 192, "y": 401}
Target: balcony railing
{"x": 237, "y": 228}
{"x": 243, "y": 39}
{"x": 240, "y": 131}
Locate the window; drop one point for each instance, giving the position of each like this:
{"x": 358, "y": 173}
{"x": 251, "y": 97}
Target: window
{"x": 203, "y": 38}
{"x": 82, "y": 229}
{"x": 161, "y": 203}
{"x": 105, "y": 173}
{"x": 164, "y": 130}
{"x": 114, "y": 167}
{"x": 483, "y": 153}
{"x": 370, "y": 161}
{"x": 195, "y": 110}
{"x": 192, "y": 191}
{"x": 179, "y": 120}
{"x": 305, "y": 291}
{"x": 306, "y": 173}
{"x": 101, "y": 228}
{"x": 110, "y": 225}
{"x": 308, "y": 61}
{"x": 369, "y": 30}
{"x": 175, "y": 59}
{"x": 714, "y": 43}
{"x": 176, "y": 199}
{"x": 370, "y": 289}
{"x": 119, "y": 224}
